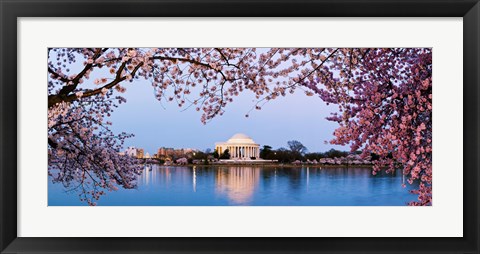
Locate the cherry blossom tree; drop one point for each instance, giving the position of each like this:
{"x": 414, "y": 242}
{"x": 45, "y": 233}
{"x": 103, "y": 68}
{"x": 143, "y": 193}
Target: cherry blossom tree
{"x": 384, "y": 99}
{"x": 385, "y": 107}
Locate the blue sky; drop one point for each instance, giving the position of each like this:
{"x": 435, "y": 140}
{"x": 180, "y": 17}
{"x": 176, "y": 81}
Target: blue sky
{"x": 163, "y": 124}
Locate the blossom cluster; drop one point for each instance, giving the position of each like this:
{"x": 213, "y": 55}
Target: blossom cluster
{"x": 385, "y": 108}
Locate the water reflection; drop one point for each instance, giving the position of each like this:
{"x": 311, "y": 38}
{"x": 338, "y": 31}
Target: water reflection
{"x": 194, "y": 179}
{"x": 257, "y": 186}
{"x": 237, "y": 183}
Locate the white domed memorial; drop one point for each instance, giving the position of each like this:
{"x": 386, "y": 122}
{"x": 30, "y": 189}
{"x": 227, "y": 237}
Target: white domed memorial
{"x": 240, "y": 146}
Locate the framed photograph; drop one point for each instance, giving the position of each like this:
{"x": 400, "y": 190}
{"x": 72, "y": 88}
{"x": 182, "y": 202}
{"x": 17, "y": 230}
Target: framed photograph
{"x": 220, "y": 126}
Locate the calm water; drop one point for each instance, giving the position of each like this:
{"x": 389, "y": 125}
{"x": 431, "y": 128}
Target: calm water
{"x": 257, "y": 186}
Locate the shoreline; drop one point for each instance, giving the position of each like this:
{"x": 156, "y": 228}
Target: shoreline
{"x": 270, "y": 165}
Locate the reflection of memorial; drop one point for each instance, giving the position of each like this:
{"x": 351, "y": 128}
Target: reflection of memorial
{"x": 238, "y": 183}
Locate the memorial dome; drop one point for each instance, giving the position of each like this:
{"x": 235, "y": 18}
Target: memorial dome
{"x": 240, "y": 138}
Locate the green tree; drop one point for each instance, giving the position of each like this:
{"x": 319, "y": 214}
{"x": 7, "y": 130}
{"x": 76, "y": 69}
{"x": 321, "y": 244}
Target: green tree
{"x": 332, "y": 153}
{"x": 215, "y": 154}
{"x": 265, "y": 152}
{"x": 297, "y": 147}
{"x": 200, "y": 155}
{"x": 283, "y": 155}
{"x": 225, "y": 155}
{"x": 314, "y": 156}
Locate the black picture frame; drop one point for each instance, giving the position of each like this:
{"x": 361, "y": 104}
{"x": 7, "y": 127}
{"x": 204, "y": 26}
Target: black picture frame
{"x": 10, "y": 10}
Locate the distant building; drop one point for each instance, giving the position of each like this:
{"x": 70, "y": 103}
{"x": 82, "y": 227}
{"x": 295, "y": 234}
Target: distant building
{"x": 131, "y": 151}
{"x": 134, "y": 152}
{"x": 140, "y": 153}
{"x": 240, "y": 146}
{"x": 164, "y": 152}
